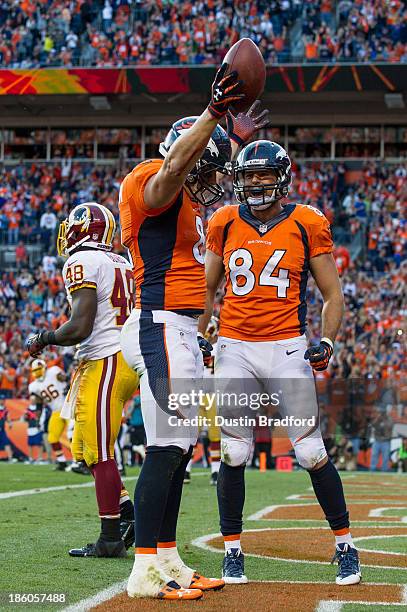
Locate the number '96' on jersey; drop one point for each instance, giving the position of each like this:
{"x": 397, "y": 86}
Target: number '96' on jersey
{"x": 112, "y": 278}
{"x": 267, "y": 266}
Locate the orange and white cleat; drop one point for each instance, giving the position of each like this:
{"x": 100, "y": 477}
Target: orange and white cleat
{"x": 172, "y": 591}
{"x": 206, "y": 584}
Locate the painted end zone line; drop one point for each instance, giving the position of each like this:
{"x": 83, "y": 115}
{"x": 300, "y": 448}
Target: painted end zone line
{"x": 202, "y": 542}
{"x": 119, "y": 587}
{"x": 327, "y": 605}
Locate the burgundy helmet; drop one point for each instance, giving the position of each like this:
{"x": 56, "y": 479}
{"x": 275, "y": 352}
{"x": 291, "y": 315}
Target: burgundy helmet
{"x": 91, "y": 224}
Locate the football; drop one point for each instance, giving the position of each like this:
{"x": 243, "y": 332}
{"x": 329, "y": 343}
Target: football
{"x": 246, "y": 58}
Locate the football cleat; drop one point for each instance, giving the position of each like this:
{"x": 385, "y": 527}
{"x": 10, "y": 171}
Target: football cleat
{"x": 127, "y": 533}
{"x": 348, "y": 565}
{"x": 233, "y": 567}
{"x": 80, "y": 468}
{"x": 60, "y": 466}
{"x": 173, "y": 591}
{"x": 102, "y": 548}
{"x": 187, "y": 477}
{"x": 214, "y": 479}
{"x": 206, "y": 584}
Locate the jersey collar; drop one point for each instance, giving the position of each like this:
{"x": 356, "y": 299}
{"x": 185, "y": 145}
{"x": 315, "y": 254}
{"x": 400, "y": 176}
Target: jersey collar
{"x": 262, "y": 227}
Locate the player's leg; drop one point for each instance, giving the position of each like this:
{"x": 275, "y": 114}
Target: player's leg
{"x": 189, "y": 369}
{"x": 93, "y": 418}
{"x": 56, "y": 428}
{"x": 125, "y": 385}
{"x": 158, "y": 350}
{"x": 214, "y": 443}
{"x": 298, "y": 399}
{"x": 234, "y": 373}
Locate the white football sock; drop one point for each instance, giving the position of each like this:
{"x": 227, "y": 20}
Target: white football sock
{"x": 215, "y": 465}
{"x": 344, "y": 539}
{"x": 147, "y": 577}
{"x": 229, "y": 544}
{"x": 173, "y": 565}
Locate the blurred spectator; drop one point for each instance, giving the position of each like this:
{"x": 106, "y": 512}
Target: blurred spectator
{"x": 21, "y": 256}
{"x": 382, "y": 426}
{"x": 370, "y": 342}
{"x": 116, "y": 33}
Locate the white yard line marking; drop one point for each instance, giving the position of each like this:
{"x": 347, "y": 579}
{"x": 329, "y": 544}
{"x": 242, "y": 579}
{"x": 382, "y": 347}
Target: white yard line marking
{"x": 24, "y": 492}
{"x": 90, "y": 602}
{"x": 202, "y": 542}
{"x": 377, "y": 512}
{"x": 380, "y": 537}
{"x": 82, "y": 485}
{"x": 327, "y": 605}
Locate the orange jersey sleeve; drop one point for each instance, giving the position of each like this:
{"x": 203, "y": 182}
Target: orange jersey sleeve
{"x": 217, "y": 229}
{"x": 131, "y": 196}
{"x": 319, "y": 231}
{"x": 166, "y": 245}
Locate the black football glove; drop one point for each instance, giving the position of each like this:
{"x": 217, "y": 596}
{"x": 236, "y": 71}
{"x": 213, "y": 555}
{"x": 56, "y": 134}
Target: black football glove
{"x": 225, "y": 91}
{"x": 35, "y": 344}
{"x": 242, "y": 127}
{"x": 205, "y": 346}
{"x": 319, "y": 355}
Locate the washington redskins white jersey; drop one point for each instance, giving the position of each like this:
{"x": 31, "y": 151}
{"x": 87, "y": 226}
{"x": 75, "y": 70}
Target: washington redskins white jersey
{"x": 50, "y": 389}
{"x": 112, "y": 277}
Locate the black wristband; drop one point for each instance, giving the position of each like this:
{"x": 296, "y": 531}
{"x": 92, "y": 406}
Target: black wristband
{"x": 48, "y": 337}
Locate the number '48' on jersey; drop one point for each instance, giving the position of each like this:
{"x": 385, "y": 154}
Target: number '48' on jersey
{"x": 111, "y": 276}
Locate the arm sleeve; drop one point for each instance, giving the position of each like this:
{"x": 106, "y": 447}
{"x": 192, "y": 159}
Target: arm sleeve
{"x": 133, "y": 186}
{"x": 215, "y": 233}
{"x": 320, "y": 236}
{"x": 80, "y": 271}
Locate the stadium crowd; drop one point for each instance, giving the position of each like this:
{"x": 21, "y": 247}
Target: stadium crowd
{"x": 35, "y": 198}
{"x": 121, "y": 32}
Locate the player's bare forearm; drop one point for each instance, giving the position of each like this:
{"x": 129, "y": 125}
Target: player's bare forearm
{"x": 326, "y": 276}
{"x": 180, "y": 160}
{"x": 80, "y": 325}
{"x": 206, "y": 316}
{"x": 332, "y": 314}
{"x": 214, "y": 272}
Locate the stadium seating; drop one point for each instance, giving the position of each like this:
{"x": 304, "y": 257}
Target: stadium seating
{"x": 120, "y": 33}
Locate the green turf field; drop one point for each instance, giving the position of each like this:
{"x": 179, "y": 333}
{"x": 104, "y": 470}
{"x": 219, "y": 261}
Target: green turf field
{"x": 37, "y": 530}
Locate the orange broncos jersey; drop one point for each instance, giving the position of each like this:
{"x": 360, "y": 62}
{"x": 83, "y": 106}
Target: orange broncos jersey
{"x": 266, "y": 267}
{"x": 166, "y": 245}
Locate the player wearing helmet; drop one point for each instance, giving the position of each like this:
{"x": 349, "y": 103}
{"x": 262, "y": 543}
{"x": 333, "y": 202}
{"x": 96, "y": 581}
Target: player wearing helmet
{"x": 100, "y": 288}
{"x": 49, "y": 388}
{"x": 266, "y": 250}
{"x": 163, "y": 230}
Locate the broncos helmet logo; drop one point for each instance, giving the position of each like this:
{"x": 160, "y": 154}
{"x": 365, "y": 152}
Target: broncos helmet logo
{"x": 211, "y": 146}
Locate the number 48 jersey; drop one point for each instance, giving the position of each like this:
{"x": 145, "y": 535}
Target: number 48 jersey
{"x": 266, "y": 265}
{"x": 112, "y": 278}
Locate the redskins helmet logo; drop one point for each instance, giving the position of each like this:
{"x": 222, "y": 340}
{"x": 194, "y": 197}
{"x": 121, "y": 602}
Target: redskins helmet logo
{"x": 82, "y": 216}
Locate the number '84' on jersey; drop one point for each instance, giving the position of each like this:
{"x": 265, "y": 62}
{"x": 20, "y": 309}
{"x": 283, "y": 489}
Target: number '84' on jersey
{"x": 267, "y": 266}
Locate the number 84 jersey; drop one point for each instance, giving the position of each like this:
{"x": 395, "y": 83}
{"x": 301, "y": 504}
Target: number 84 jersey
{"x": 112, "y": 278}
{"x": 267, "y": 266}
